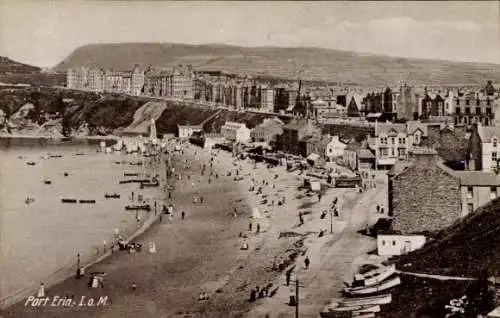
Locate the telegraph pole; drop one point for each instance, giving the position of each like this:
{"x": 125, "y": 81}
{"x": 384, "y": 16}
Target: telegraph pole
{"x": 296, "y": 298}
{"x": 297, "y": 286}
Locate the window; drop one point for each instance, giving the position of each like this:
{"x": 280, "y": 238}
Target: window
{"x": 478, "y": 110}
{"x": 467, "y": 110}
{"x": 493, "y": 192}
{"x": 488, "y": 102}
{"x": 393, "y": 153}
{"x": 467, "y": 102}
{"x": 383, "y": 242}
{"x": 457, "y": 111}
{"x": 393, "y": 243}
{"x": 458, "y": 102}
{"x": 494, "y": 144}
{"x": 488, "y": 110}
{"x": 478, "y": 102}
{"x": 494, "y": 156}
{"x": 470, "y": 208}
{"x": 470, "y": 192}
{"x": 393, "y": 140}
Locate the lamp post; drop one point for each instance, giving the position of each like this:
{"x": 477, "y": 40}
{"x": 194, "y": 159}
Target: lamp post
{"x": 331, "y": 221}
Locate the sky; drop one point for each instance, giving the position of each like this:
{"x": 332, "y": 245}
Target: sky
{"x": 43, "y": 33}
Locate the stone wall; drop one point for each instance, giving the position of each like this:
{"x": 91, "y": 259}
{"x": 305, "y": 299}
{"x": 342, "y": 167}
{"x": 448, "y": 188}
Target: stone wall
{"x": 424, "y": 198}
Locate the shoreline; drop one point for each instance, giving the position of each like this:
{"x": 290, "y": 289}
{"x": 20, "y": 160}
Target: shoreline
{"x": 66, "y": 272}
{"x": 57, "y": 138}
{"x": 175, "y": 275}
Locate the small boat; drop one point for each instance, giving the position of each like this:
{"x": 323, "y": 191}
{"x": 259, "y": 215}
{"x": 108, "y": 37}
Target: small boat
{"x": 388, "y": 284}
{"x": 29, "y": 200}
{"x": 112, "y": 196}
{"x": 47, "y": 181}
{"x": 135, "y": 163}
{"x": 150, "y": 184}
{"x": 55, "y": 156}
{"x": 117, "y": 162}
{"x": 134, "y": 181}
{"x": 334, "y": 310}
{"x": 86, "y": 201}
{"x": 66, "y": 174}
{"x": 79, "y": 154}
{"x": 130, "y": 174}
{"x": 30, "y": 163}
{"x": 384, "y": 299}
{"x": 145, "y": 207}
{"x": 373, "y": 277}
{"x": 68, "y": 200}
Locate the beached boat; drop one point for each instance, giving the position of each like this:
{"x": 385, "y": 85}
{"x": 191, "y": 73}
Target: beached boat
{"x": 29, "y": 200}
{"x": 373, "y": 277}
{"x": 68, "y": 200}
{"x": 385, "y": 285}
{"x": 333, "y": 311}
{"x": 79, "y": 154}
{"x": 86, "y": 201}
{"x": 374, "y": 300}
{"x": 130, "y": 174}
{"x": 112, "y": 196}
{"x": 47, "y": 181}
{"x": 55, "y": 156}
{"x": 30, "y": 163}
{"x": 145, "y": 207}
{"x": 66, "y": 174}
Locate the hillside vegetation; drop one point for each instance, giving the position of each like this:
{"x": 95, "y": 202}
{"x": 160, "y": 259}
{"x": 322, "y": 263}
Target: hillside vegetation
{"x": 310, "y": 63}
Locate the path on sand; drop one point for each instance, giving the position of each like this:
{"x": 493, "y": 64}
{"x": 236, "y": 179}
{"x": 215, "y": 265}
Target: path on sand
{"x": 333, "y": 259}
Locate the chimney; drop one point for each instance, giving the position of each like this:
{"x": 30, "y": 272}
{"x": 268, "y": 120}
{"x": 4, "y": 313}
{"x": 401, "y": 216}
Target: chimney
{"x": 423, "y": 156}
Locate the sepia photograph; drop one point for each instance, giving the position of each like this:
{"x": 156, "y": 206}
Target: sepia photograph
{"x": 267, "y": 159}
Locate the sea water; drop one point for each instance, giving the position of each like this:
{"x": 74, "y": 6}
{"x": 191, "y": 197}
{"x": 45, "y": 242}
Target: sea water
{"x": 40, "y": 239}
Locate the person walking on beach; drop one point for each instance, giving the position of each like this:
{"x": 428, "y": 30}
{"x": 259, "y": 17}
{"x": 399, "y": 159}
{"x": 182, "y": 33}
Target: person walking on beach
{"x": 250, "y": 226}
{"x": 378, "y": 208}
{"x": 307, "y": 262}
{"x": 201, "y": 199}
{"x": 258, "y": 228}
{"x": 288, "y": 276}
{"x": 169, "y": 194}
{"x": 183, "y": 214}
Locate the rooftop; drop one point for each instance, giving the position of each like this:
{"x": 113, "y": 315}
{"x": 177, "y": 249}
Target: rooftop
{"x": 385, "y": 128}
{"x": 487, "y": 133}
{"x": 478, "y": 178}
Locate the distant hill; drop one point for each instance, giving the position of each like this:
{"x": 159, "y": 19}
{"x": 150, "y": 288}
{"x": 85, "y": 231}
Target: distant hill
{"x": 13, "y": 72}
{"x": 9, "y": 66}
{"x": 317, "y": 64}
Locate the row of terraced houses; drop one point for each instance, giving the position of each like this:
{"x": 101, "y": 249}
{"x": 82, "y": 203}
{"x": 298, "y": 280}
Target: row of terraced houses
{"x": 216, "y": 88}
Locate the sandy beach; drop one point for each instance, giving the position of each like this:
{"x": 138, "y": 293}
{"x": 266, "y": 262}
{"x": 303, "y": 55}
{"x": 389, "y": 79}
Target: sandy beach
{"x": 201, "y": 253}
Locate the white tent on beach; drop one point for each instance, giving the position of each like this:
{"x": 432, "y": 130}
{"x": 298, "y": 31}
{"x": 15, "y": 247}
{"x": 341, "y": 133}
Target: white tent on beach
{"x": 256, "y": 213}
